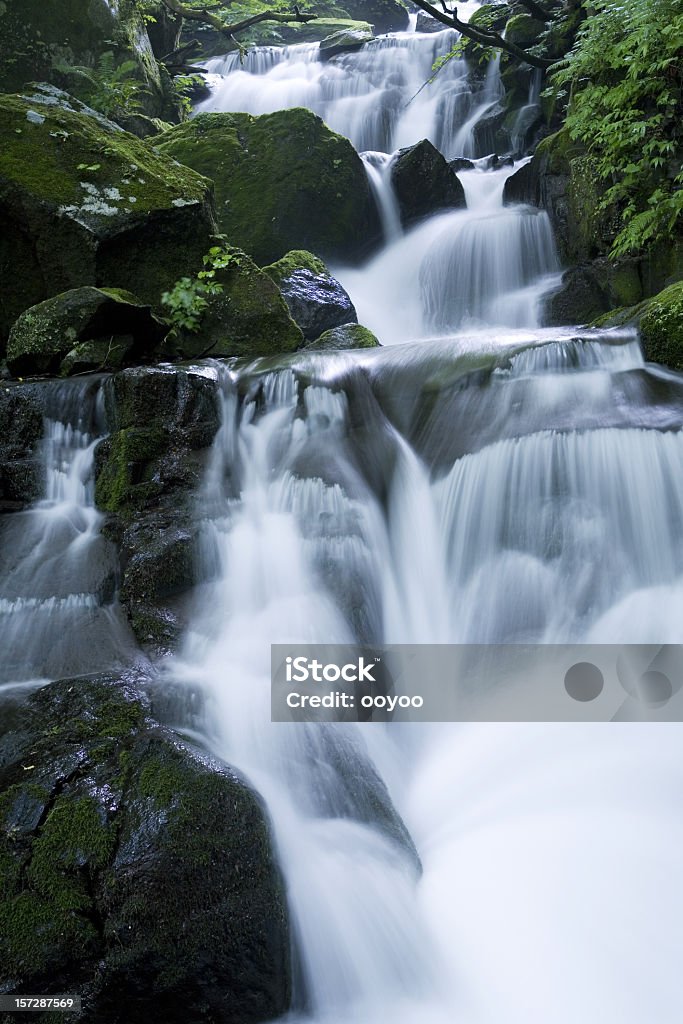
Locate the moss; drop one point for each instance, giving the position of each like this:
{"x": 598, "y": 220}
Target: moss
{"x": 348, "y": 336}
{"x": 297, "y": 259}
{"x": 556, "y": 151}
{"x": 661, "y": 327}
{"x": 283, "y": 181}
{"x": 524, "y": 30}
{"x": 123, "y": 481}
{"x": 72, "y": 160}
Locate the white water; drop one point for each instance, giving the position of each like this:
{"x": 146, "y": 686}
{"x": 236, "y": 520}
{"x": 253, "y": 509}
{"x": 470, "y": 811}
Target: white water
{"x": 57, "y": 612}
{"x": 389, "y": 497}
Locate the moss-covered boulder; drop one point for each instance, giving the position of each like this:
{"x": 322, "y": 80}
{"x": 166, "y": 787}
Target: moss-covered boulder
{"x": 345, "y": 40}
{"x": 84, "y": 203}
{"x": 383, "y": 15}
{"x": 592, "y": 289}
{"x": 424, "y": 183}
{"x": 83, "y": 329}
{"x": 283, "y": 181}
{"x": 661, "y": 327}
{"x": 132, "y": 864}
{"x": 348, "y": 336}
{"x": 524, "y": 30}
{"x": 44, "y": 38}
{"x": 316, "y": 300}
{"x": 247, "y": 317}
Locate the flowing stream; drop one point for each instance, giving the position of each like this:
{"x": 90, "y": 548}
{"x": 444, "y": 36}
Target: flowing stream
{"x": 478, "y": 479}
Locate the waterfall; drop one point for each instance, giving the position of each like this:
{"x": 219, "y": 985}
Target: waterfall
{"x": 57, "y": 572}
{"x": 378, "y": 170}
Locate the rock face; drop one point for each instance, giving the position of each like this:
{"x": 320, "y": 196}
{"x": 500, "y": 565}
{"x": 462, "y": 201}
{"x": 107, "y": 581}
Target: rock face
{"x": 47, "y": 36}
{"x": 591, "y": 289}
{"x": 84, "y": 203}
{"x": 344, "y": 41}
{"x": 424, "y": 183}
{"x": 132, "y": 863}
{"x": 425, "y": 23}
{"x": 661, "y": 327}
{"x": 348, "y": 336}
{"x": 83, "y": 329}
{"x": 283, "y": 181}
{"x": 21, "y": 434}
{"x": 383, "y": 15}
{"x": 316, "y": 300}
{"x": 163, "y": 421}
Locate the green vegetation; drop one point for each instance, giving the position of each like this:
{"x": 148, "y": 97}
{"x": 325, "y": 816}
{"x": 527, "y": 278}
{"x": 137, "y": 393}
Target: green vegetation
{"x": 188, "y": 300}
{"x": 625, "y": 78}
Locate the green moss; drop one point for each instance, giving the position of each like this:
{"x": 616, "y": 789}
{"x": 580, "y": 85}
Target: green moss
{"x": 556, "y": 151}
{"x": 124, "y": 479}
{"x": 72, "y": 160}
{"x": 661, "y": 327}
{"x": 297, "y": 259}
{"x": 524, "y": 30}
{"x": 348, "y": 336}
{"x": 282, "y": 181}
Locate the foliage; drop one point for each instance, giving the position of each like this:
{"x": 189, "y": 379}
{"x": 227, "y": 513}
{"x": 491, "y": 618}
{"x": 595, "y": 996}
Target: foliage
{"x": 189, "y": 298}
{"x": 625, "y": 79}
{"x": 110, "y": 88}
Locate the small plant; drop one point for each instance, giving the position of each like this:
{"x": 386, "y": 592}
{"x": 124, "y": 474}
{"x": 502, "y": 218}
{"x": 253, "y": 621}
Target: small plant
{"x": 110, "y": 88}
{"x": 188, "y": 300}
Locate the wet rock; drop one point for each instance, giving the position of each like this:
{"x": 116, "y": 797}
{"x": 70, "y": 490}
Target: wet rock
{"x": 425, "y": 23}
{"x": 283, "y": 181}
{"x": 383, "y": 15}
{"x": 316, "y": 300}
{"x": 163, "y": 421}
{"x": 83, "y": 329}
{"x": 133, "y": 863}
{"x": 661, "y": 327}
{"x": 424, "y": 183}
{"x": 248, "y": 317}
{"x": 345, "y": 41}
{"x": 84, "y": 203}
{"x": 348, "y": 336}
{"x": 461, "y": 163}
{"x": 21, "y": 434}
{"x": 592, "y": 289}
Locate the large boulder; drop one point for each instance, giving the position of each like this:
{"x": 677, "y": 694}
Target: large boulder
{"x": 423, "y": 183}
{"x": 283, "y": 181}
{"x": 83, "y": 329}
{"x": 316, "y": 300}
{"x": 48, "y": 37}
{"x": 247, "y": 317}
{"x": 425, "y": 23}
{"x": 592, "y": 289}
{"x": 84, "y": 203}
{"x": 136, "y": 871}
{"x": 21, "y": 434}
{"x": 383, "y": 15}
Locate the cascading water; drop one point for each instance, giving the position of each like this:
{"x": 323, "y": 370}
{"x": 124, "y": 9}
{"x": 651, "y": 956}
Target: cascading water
{"x": 57, "y": 577}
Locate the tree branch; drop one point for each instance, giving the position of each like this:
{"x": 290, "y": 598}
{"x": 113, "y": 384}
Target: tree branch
{"x": 484, "y": 37}
{"x": 207, "y": 16}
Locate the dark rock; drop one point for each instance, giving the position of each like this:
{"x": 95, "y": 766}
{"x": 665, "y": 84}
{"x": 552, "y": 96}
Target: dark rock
{"x": 84, "y": 203}
{"x": 316, "y": 300}
{"x": 21, "y": 434}
{"x": 283, "y": 181}
{"x": 592, "y": 289}
{"x": 348, "y": 336}
{"x": 133, "y": 863}
{"x": 425, "y": 23}
{"x": 345, "y": 41}
{"x": 424, "y": 183}
{"x": 83, "y": 329}
{"x": 383, "y": 15}
{"x": 163, "y": 422}
{"x": 491, "y": 134}
{"x": 461, "y": 164}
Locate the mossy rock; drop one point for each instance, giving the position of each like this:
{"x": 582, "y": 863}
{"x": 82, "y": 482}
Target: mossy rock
{"x": 315, "y": 299}
{"x": 132, "y": 863}
{"x": 283, "y": 181}
{"x": 348, "y": 336}
{"x": 45, "y": 37}
{"x": 85, "y": 203}
{"x": 347, "y": 40}
{"x": 83, "y": 329}
{"x": 524, "y": 30}
{"x": 661, "y": 327}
